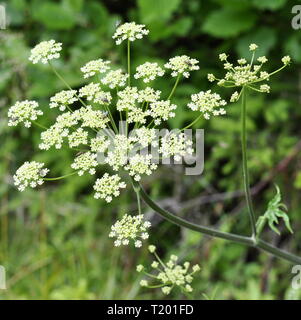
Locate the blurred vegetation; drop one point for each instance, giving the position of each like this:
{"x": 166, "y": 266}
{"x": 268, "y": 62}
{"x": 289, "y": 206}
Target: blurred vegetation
{"x": 54, "y": 241}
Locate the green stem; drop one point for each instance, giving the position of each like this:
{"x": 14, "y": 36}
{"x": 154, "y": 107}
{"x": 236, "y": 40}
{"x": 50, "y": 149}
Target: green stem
{"x": 39, "y": 125}
{"x": 248, "y": 241}
{"x": 245, "y": 162}
{"x": 61, "y": 177}
{"x": 129, "y": 61}
{"x": 65, "y": 83}
{"x": 192, "y": 123}
{"x": 174, "y": 87}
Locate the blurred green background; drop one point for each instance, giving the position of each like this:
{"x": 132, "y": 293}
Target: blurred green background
{"x": 54, "y": 241}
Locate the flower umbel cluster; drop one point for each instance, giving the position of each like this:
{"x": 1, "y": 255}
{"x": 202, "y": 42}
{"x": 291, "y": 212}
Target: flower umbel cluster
{"x": 129, "y": 31}
{"x": 95, "y": 66}
{"x": 208, "y": 103}
{"x": 62, "y": 99}
{"x": 130, "y": 228}
{"x": 30, "y": 174}
{"x": 247, "y": 74}
{"x": 182, "y": 65}
{"x": 169, "y": 275}
{"x": 148, "y": 71}
{"x": 23, "y": 111}
{"x": 45, "y": 51}
{"x": 108, "y": 186}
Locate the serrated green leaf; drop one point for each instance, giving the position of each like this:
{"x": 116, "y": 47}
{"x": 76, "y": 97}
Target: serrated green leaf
{"x": 273, "y": 213}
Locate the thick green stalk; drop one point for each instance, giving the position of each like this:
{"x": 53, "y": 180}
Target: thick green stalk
{"x": 245, "y": 163}
{"x": 260, "y": 244}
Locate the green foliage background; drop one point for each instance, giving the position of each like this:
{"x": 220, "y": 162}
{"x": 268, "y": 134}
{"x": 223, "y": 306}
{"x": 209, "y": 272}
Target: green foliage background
{"x": 54, "y": 241}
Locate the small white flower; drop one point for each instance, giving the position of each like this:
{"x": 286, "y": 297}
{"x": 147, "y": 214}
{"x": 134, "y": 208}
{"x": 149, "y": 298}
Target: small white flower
{"x": 130, "y": 228}
{"x": 130, "y": 31}
{"x": 223, "y": 57}
{"x": 148, "y": 95}
{"x": 127, "y": 98}
{"x": 234, "y": 97}
{"x": 62, "y": 99}
{"x": 23, "y": 111}
{"x": 211, "y": 77}
{"x": 45, "y": 51}
{"x": 95, "y": 66}
{"x": 253, "y": 47}
{"x": 262, "y": 59}
{"x": 286, "y": 60}
{"x": 85, "y": 162}
{"x": 54, "y": 136}
{"x": 90, "y": 118}
{"x": 207, "y": 103}
{"x": 139, "y": 165}
{"x": 265, "y": 88}
{"x": 161, "y": 110}
{"x": 78, "y": 137}
{"x": 108, "y": 187}
{"x": 119, "y": 150}
{"x": 115, "y": 78}
{"x": 148, "y": 71}
{"x": 182, "y": 65}
{"x": 170, "y": 274}
{"x": 93, "y": 92}
{"x": 146, "y": 136}
{"x": 99, "y": 144}
{"x": 175, "y": 144}
{"x": 30, "y": 174}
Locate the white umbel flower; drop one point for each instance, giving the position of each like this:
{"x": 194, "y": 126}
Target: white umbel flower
{"x": 54, "y": 136}
{"x": 146, "y": 136}
{"x": 139, "y": 165}
{"x": 182, "y": 65}
{"x": 119, "y": 151}
{"x": 99, "y": 144}
{"x": 78, "y": 137}
{"x": 175, "y": 144}
{"x": 85, "y": 162}
{"x": 62, "y": 99}
{"x": 136, "y": 114}
{"x": 108, "y": 187}
{"x": 93, "y": 92}
{"x": 149, "y": 95}
{"x": 130, "y": 228}
{"x": 30, "y": 174}
{"x": 95, "y": 66}
{"x": 45, "y": 51}
{"x": 23, "y": 111}
{"x": 169, "y": 275}
{"x": 148, "y": 71}
{"x": 130, "y": 31}
{"x": 207, "y": 103}
{"x": 115, "y": 78}
{"x": 127, "y": 98}
{"x": 90, "y": 118}
{"x": 161, "y": 110}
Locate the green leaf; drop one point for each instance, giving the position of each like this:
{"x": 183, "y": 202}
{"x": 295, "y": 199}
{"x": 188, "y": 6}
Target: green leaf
{"x": 159, "y": 11}
{"x": 293, "y": 47}
{"x": 227, "y": 22}
{"x": 265, "y": 38}
{"x": 273, "y": 213}
{"x": 269, "y": 4}
{"x": 53, "y": 15}
{"x": 297, "y": 183}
